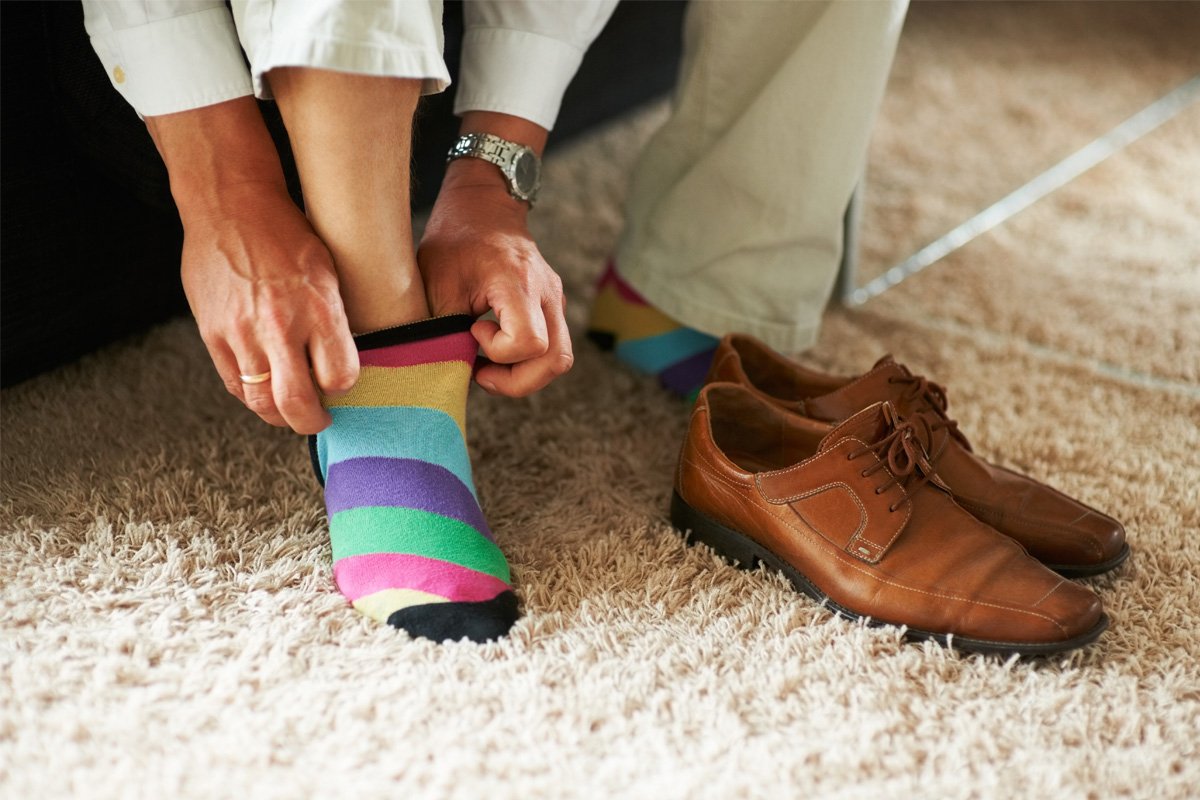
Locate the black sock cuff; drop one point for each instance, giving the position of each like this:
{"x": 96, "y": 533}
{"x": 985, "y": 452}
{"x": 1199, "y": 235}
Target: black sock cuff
{"x": 415, "y": 331}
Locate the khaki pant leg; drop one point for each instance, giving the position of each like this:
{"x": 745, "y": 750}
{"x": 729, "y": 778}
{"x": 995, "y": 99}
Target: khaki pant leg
{"x": 734, "y": 218}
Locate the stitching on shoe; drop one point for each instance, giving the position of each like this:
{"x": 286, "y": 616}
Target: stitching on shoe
{"x": 854, "y": 564}
{"x": 716, "y": 472}
{"x": 1050, "y": 527}
{"x": 877, "y": 549}
{"x": 904, "y": 524}
{"x": 733, "y": 489}
{"x": 859, "y": 379}
{"x": 853, "y": 496}
{"x": 840, "y": 554}
{"x": 845, "y": 558}
{"x": 1052, "y": 591}
{"x": 809, "y": 460}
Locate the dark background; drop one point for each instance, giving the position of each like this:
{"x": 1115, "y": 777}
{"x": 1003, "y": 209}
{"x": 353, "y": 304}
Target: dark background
{"x": 90, "y": 236}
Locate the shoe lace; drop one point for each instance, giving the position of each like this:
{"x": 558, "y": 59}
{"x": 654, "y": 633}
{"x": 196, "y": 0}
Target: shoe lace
{"x": 903, "y": 453}
{"x": 930, "y": 397}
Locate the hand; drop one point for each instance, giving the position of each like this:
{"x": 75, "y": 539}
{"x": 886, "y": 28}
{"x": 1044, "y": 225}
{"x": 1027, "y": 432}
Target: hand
{"x": 260, "y": 283}
{"x": 477, "y": 254}
{"x": 265, "y": 295}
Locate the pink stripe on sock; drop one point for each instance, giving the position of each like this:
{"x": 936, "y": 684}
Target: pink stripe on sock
{"x": 624, "y": 290}
{"x": 451, "y": 347}
{"x": 359, "y": 576}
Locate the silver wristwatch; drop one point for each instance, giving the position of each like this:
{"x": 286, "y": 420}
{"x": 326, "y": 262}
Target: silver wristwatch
{"x": 520, "y": 164}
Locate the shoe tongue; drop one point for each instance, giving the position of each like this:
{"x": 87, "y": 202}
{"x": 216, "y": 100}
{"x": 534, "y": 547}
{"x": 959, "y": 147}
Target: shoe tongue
{"x": 859, "y": 393}
{"x": 869, "y": 425}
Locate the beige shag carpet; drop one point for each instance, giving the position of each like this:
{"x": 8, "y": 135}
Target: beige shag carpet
{"x": 168, "y": 625}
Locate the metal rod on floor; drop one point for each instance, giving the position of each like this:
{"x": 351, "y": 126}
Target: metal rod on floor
{"x": 1054, "y": 178}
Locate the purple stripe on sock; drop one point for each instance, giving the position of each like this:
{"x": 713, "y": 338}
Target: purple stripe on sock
{"x": 404, "y": 483}
{"x": 685, "y": 376}
{"x": 359, "y": 576}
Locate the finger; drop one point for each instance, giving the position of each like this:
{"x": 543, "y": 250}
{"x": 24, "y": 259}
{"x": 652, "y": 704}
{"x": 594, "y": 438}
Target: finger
{"x": 334, "y": 361}
{"x": 519, "y": 332}
{"x": 258, "y": 396}
{"x": 526, "y": 377}
{"x": 294, "y": 392}
{"x": 227, "y": 367}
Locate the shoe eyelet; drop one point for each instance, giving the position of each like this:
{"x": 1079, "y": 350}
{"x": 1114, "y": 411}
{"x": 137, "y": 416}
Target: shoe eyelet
{"x": 863, "y": 473}
{"x": 877, "y": 491}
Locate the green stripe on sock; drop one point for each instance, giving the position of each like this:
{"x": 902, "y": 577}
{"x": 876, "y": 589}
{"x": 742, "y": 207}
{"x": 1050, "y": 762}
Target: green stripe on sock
{"x": 377, "y": 529}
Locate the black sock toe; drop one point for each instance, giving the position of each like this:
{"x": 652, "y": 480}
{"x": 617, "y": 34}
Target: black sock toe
{"x": 479, "y": 622}
{"x": 603, "y": 339}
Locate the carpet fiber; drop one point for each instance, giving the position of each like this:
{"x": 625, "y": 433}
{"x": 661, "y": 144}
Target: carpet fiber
{"x": 169, "y": 626}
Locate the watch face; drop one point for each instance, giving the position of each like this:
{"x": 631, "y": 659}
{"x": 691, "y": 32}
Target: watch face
{"x": 525, "y": 172}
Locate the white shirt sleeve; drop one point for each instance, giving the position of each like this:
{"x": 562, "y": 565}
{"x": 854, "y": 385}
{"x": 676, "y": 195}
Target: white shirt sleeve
{"x": 519, "y": 55}
{"x": 165, "y": 56}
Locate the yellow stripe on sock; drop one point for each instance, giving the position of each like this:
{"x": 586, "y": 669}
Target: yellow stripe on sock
{"x": 627, "y": 320}
{"x": 382, "y": 604}
{"x": 442, "y": 385}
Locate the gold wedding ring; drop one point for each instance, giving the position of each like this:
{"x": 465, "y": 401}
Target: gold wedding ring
{"x": 251, "y": 380}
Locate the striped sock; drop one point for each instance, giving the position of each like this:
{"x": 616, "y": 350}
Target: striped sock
{"x": 646, "y": 338}
{"x": 410, "y": 544}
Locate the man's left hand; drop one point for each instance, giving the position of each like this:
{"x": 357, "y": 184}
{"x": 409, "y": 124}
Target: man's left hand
{"x": 477, "y": 255}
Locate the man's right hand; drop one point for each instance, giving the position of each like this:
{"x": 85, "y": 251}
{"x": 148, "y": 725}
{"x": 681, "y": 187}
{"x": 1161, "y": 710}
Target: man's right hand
{"x": 265, "y": 295}
{"x": 260, "y": 283}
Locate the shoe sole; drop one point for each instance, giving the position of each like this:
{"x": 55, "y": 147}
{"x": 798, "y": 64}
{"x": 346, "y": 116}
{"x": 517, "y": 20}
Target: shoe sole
{"x": 1089, "y": 570}
{"x": 745, "y": 553}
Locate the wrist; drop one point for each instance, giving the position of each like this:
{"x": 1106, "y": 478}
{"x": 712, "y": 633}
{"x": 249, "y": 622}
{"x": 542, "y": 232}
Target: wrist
{"x": 215, "y": 204}
{"x": 465, "y": 206}
{"x": 506, "y": 126}
{"x": 478, "y": 180}
{"x": 496, "y": 153}
{"x": 217, "y": 157}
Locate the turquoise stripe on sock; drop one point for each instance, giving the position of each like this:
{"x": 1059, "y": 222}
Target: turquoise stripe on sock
{"x": 655, "y": 353}
{"x": 396, "y": 432}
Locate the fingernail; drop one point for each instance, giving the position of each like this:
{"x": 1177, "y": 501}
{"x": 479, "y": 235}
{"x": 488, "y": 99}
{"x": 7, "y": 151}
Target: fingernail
{"x": 488, "y": 386}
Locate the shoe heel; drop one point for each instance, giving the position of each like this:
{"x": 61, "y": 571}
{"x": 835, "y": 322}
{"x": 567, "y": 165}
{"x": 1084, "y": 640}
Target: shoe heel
{"x": 741, "y": 551}
{"x": 697, "y": 527}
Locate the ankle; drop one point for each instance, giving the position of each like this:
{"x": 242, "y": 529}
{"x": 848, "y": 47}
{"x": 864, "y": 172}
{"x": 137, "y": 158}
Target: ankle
{"x": 374, "y": 308}
{"x": 648, "y": 339}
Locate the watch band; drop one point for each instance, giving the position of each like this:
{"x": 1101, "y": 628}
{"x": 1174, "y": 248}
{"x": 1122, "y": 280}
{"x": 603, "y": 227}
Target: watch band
{"x": 486, "y": 146}
{"x": 501, "y": 152}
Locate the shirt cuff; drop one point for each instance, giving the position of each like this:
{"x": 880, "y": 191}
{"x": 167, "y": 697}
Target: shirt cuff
{"x": 515, "y": 72}
{"x": 177, "y": 63}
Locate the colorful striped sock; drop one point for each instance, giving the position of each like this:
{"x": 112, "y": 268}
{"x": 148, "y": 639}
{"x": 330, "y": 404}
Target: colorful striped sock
{"x": 646, "y": 338}
{"x": 410, "y": 544}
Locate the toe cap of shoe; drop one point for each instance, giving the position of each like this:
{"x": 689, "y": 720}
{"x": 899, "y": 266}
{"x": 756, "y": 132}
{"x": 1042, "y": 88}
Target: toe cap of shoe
{"x": 1071, "y": 611}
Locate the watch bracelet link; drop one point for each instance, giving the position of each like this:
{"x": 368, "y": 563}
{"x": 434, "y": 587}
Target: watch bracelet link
{"x": 495, "y": 150}
{"x": 483, "y": 145}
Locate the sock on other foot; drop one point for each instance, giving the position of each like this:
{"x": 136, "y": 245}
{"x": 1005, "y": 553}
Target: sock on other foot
{"x": 646, "y": 338}
{"x": 410, "y": 544}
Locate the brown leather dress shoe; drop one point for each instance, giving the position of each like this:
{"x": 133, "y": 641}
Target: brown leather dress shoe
{"x": 857, "y": 518}
{"x": 1071, "y": 538}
